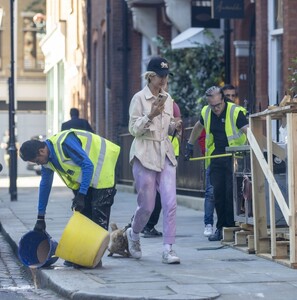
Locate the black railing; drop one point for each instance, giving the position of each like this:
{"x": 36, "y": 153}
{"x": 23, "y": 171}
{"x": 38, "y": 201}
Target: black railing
{"x": 190, "y": 174}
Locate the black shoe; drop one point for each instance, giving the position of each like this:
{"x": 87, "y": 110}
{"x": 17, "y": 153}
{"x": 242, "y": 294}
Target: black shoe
{"x": 151, "y": 232}
{"x": 217, "y": 236}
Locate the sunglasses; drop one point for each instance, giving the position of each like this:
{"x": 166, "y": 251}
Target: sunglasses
{"x": 215, "y": 105}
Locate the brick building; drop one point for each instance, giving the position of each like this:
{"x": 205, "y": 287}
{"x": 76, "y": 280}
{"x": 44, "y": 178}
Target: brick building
{"x": 262, "y": 45}
{"x": 98, "y": 50}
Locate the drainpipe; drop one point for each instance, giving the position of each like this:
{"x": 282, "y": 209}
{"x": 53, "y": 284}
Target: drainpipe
{"x": 107, "y": 68}
{"x": 89, "y": 37}
{"x": 125, "y": 63}
{"x": 227, "y": 32}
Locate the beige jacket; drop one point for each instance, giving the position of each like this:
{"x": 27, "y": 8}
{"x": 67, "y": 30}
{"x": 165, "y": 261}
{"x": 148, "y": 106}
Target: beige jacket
{"x": 151, "y": 143}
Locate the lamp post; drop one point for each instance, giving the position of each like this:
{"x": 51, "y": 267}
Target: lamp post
{"x": 12, "y": 146}
{"x": 227, "y": 32}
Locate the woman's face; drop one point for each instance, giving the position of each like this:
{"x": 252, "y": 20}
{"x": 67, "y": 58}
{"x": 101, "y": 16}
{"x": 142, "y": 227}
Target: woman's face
{"x": 159, "y": 82}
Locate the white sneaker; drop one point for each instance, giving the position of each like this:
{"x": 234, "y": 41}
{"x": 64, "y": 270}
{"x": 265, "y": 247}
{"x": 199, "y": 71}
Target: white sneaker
{"x": 134, "y": 246}
{"x": 170, "y": 257}
{"x": 208, "y": 230}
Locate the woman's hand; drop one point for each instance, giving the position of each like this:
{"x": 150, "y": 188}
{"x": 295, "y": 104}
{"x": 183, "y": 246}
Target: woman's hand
{"x": 157, "y": 109}
{"x": 178, "y": 124}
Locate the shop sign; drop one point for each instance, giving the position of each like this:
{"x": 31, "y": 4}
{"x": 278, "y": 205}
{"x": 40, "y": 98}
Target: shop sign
{"x": 227, "y": 9}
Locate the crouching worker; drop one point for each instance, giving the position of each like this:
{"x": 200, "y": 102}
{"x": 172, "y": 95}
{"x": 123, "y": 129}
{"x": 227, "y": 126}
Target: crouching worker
{"x": 85, "y": 162}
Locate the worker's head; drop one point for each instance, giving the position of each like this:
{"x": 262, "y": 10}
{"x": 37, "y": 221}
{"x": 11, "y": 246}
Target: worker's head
{"x": 215, "y": 99}
{"x": 229, "y": 91}
{"x": 74, "y": 112}
{"x": 34, "y": 151}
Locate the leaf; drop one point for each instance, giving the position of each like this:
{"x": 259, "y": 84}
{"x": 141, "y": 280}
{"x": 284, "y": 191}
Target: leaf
{"x": 194, "y": 71}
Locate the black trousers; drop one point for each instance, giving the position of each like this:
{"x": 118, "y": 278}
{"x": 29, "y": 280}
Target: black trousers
{"x": 154, "y": 218}
{"x": 221, "y": 179}
{"x": 98, "y": 204}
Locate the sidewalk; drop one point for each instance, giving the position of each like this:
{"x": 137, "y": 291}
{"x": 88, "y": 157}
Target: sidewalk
{"x": 207, "y": 270}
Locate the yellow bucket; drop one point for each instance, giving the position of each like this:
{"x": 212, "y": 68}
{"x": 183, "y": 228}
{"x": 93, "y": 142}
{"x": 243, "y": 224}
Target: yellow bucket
{"x": 83, "y": 241}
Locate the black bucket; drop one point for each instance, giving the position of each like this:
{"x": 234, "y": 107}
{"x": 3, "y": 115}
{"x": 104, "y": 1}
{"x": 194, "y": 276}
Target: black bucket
{"x": 37, "y": 249}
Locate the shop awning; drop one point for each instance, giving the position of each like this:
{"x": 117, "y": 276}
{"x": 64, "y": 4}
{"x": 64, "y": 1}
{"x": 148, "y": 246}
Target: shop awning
{"x": 189, "y": 38}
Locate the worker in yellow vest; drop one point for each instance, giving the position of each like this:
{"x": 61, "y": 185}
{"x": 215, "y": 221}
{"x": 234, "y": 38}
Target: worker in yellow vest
{"x": 85, "y": 162}
{"x": 225, "y": 125}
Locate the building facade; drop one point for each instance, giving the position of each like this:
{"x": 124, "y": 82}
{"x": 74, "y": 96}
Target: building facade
{"x": 96, "y": 51}
{"x": 64, "y": 48}
{"x": 30, "y": 81}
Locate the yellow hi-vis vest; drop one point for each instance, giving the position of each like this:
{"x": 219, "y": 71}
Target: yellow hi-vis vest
{"x": 235, "y": 136}
{"x": 102, "y": 153}
{"x": 175, "y": 143}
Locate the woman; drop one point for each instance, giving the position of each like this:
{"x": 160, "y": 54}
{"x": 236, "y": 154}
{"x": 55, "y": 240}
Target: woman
{"x": 152, "y": 157}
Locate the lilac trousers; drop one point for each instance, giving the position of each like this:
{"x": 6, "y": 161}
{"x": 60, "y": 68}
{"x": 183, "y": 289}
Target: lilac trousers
{"x": 147, "y": 183}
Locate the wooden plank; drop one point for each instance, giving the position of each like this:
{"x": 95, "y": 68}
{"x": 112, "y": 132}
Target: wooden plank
{"x": 258, "y": 190}
{"x": 251, "y": 243}
{"x": 270, "y": 193}
{"x": 292, "y": 186}
{"x": 269, "y": 176}
{"x": 278, "y": 112}
{"x": 229, "y": 233}
{"x": 241, "y": 237}
{"x": 282, "y": 250}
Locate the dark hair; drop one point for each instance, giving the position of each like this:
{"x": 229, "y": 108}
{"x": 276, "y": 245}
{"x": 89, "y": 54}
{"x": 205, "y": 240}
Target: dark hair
{"x": 30, "y": 149}
{"x": 228, "y": 87}
{"x": 214, "y": 90}
{"x": 74, "y": 112}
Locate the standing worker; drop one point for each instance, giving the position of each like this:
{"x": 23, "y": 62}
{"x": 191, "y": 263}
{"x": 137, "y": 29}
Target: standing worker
{"x": 229, "y": 92}
{"x": 85, "y": 162}
{"x": 76, "y": 122}
{"x": 225, "y": 125}
{"x": 153, "y": 159}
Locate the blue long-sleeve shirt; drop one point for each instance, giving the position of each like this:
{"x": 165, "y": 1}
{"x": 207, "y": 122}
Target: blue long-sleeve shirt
{"x": 72, "y": 148}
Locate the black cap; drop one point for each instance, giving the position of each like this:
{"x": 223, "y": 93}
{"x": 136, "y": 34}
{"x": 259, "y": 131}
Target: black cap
{"x": 158, "y": 65}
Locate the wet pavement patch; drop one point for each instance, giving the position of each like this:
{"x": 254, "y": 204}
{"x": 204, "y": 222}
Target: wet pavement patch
{"x": 238, "y": 259}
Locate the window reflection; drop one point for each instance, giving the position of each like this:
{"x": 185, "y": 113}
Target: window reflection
{"x": 278, "y": 14}
{"x": 33, "y": 33}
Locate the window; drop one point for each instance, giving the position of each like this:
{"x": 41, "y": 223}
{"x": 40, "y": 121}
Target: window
{"x": 275, "y": 13}
{"x": 33, "y": 32}
{"x": 275, "y": 67}
{"x": 1, "y": 48}
{"x": 278, "y": 14}
{"x": 1, "y": 17}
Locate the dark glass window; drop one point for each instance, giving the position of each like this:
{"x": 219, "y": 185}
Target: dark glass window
{"x": 278, "y": 14}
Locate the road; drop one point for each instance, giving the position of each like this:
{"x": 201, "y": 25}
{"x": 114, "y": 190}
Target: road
{"x": 15, "y": 281}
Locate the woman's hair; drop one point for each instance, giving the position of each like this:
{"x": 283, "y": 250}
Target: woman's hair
{"x": 148, "y": 75}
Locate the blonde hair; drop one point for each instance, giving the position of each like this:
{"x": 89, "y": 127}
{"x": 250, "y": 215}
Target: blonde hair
{"x": 148, "y": 75}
